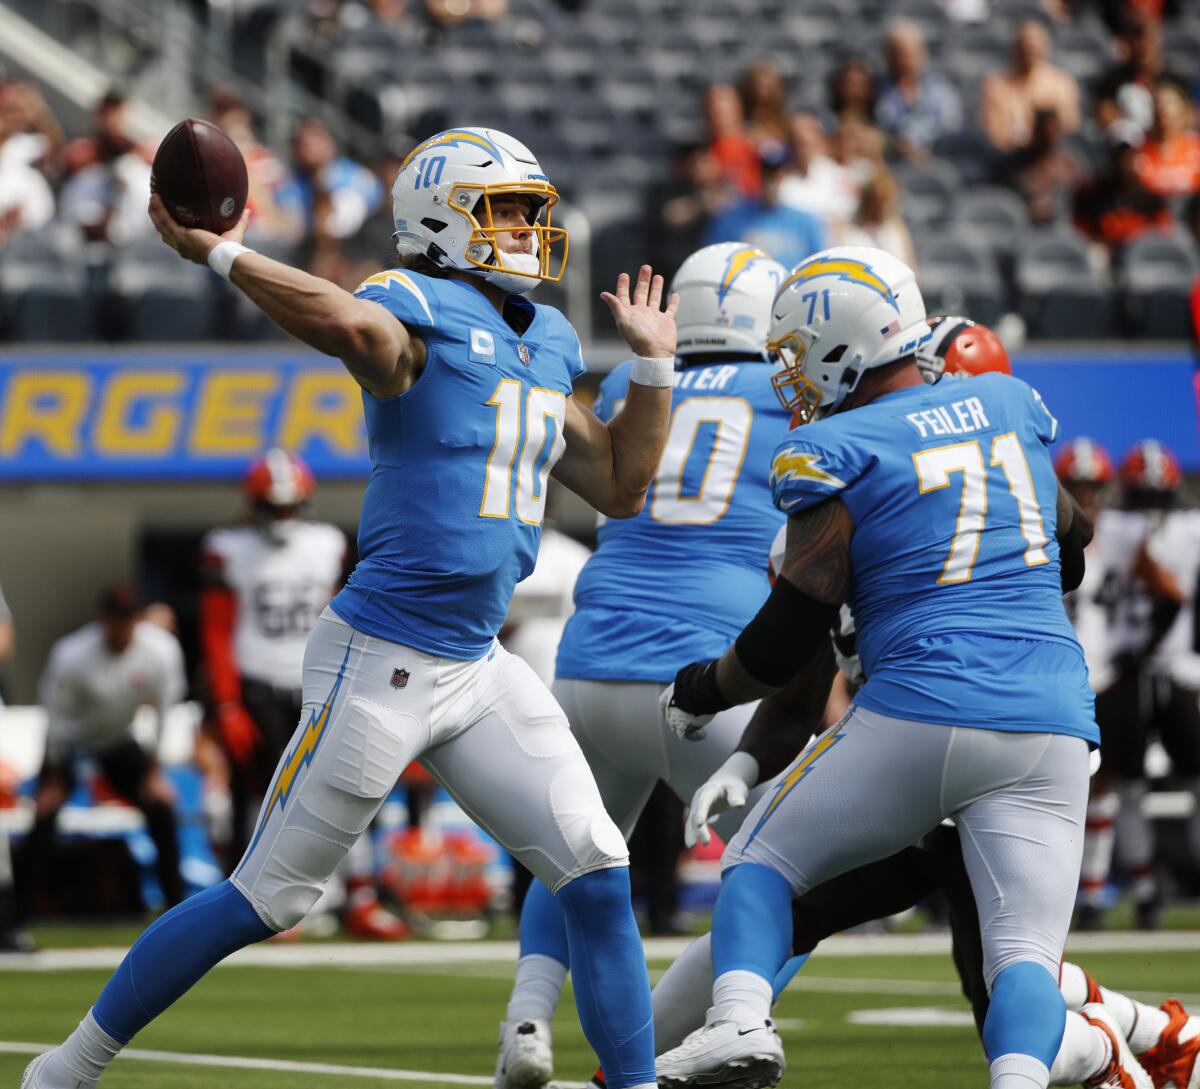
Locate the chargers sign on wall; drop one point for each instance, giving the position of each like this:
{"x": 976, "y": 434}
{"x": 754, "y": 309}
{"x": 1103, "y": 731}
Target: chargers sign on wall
{"x": 176, "y": 415}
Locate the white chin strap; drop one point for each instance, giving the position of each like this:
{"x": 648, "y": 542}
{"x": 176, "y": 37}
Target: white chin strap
{"x": 513, "y": 281}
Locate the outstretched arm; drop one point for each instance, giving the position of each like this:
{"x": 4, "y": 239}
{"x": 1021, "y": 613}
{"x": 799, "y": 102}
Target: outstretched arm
{"x": 611, "y": 465}
{"x": 374, "y": 346}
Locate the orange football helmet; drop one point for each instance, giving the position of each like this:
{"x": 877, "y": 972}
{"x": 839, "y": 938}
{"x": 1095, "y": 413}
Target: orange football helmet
{"x": 1083, "y": 461}
{"x": 962, "y": 347}
{"x": 1150, "y": 467}
{"x": 278, "y": 479}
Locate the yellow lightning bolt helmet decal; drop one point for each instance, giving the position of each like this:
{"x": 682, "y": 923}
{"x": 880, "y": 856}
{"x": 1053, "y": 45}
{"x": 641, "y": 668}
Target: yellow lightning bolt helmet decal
{"x": 843, "y": 269}
{"x": 737, "y": 263}
{"x": 796, "y": 465}
{"x": 455, "y": 136}
{"x": 798, "y": 772}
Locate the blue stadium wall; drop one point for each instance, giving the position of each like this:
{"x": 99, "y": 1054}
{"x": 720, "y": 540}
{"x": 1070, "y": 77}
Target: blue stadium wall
{"x": 110, "y": 415}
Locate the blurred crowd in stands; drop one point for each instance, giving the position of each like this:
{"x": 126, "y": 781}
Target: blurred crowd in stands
{"x": 1002, "y": 181}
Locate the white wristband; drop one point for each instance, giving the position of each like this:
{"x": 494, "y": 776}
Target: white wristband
{"x": 653, "y": 372}
{"x": 222, "y": 256}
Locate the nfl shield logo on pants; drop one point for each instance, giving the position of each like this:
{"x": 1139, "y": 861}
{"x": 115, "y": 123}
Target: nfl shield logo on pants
{"x": 399, "y": 678}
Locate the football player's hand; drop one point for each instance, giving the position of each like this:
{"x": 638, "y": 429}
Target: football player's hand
{"x": 646, "y": 327}
{"x": 239, "y": 734}
{"x": 727, "y": 788}
{"x": 191, "y": 242}
{"x": 683, "y": 724}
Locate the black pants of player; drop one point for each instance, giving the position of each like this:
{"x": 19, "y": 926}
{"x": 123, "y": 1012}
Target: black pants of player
{"x": 892, "y": 885}
{"x": 1137, "y": 705}
{"x": 276, "y": 713}
{"x": 127, "y": 767}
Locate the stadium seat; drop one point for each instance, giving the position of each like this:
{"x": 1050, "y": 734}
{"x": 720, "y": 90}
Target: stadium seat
{"x": 969, "y": 152}
{"x": 1181, "y": 49}
{"x": 957, "y": 277}
{"x": 974, "y": 50}
{"x": 161, "y": 297}
{"x": 928, "y": 191}
{"x": 1084, "y": 49}
{"x": 991, "y": 215}
{"x": 43, "y": 289}
{"x": 1157, "y": 272}
{"x": 1062, "y": 295}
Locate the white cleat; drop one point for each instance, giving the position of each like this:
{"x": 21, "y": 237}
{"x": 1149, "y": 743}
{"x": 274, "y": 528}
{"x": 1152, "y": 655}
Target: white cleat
{"x": 526, "y": 1059}
{"x": 34, "y": 1076}
{"x": 740, "y": 1055}
{"x": 1123, "y": 1071}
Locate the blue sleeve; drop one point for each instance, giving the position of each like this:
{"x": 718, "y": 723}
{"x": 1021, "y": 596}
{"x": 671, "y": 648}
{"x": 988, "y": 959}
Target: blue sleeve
{"x": 806, "y": 471}
{"x": 613, "y": 391}
{"x": 1045, "y": 426}
{"x": 405, "y": 295}
{"x": 575, "y": 362}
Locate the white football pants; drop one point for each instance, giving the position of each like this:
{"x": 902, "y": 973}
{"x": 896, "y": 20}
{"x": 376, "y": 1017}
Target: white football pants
{"x": 488, "y": 730}
{"x": 629, "y": 747}
{"x": 870, "y": 785}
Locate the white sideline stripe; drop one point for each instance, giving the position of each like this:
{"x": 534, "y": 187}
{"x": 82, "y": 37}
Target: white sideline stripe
{"x": 409, "y": 954}
{"x": 237, "y": 1062}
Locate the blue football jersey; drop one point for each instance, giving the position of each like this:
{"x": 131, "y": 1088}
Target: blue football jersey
{"x": 453, "y": 510}
{"x": 955, "y": 578}
{"x": 680, "y": 580}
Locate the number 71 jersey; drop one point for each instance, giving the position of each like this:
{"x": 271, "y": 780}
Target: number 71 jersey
{"x": 955, "y": 574}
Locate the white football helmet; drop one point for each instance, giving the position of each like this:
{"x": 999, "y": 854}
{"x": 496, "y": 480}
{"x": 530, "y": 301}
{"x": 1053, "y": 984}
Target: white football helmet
{"x": 725, "y": 293}
{"x": 841, "y": 312}
{"x": 441, "y": 207}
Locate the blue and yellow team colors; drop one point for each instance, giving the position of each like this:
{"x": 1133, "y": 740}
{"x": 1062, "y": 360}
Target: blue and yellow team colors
{"x": 956, "y": 584}
{"x": 652, "y": 598}
{"x": 454, "y": 505}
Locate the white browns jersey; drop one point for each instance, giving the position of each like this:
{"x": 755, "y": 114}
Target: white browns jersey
{"x": 1087, "y": 606}
{"x": 1175, "y": 545}
{"x": 281, "y": 588}
{"x": 91, "y": 695}
{"x": 1120, "y": 535}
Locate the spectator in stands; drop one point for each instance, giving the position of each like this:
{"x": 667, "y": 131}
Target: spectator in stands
{"x": 331, "y": 195}
{"x": 1012, "y": 97}
{"x": 858, "y": 146}
{"x": 373, "y": 247}
{"x": 1169, "y": 161}
{"x": 26, "y": 200}
{"x": 36, "y": 131}
{"x": 453, "y": 12}
{"x": 764, "y": 100}
{"x": 814, "y": 182}
{"x": 915, "y": 106}
{"x": 107, "y": 178}
{"x": 266, "y": 174}
{"x": 1127, "y": 89}
{"x": 1044, "y": 172}
{"x": 729, "y": 147}
{"x": 94, "y": 683}
{"x": 1116, "y": 207}
{"x": 692, "y": 194}
{"x": 787, "y": 234}
{"x": 852, "y": 92}
{"x": 878, "y": 222}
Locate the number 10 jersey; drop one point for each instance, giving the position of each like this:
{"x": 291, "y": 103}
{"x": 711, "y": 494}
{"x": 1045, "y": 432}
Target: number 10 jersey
{"x": 453, "y": 510}
{"x": 955, "y": 570}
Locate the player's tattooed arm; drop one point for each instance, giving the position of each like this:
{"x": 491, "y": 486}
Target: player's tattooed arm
{"x": 1070, "y": 518}
{"x": 611, "y": 465}
{"x": 783, "y": 722}
{"x": 795, "y": 621}
{"x": 375, "y": 347}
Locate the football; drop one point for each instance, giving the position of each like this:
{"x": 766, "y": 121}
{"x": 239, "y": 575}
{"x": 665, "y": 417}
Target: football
{"x": 201, "y": 176}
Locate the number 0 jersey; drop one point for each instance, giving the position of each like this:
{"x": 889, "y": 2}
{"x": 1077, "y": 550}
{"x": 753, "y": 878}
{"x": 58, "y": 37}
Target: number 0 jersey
{"x": 955, "y": 576}
{"x": 459, "y": 463}
{"x": 680, "y": 581}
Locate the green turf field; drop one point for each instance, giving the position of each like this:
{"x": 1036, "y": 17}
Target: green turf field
{"x": 415, "y": 1022}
